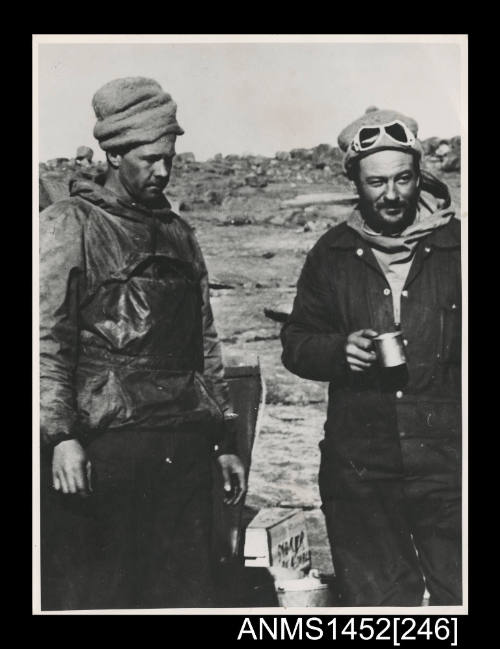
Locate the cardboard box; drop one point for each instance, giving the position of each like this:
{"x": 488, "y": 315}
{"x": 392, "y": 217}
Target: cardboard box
{"x": 278, "y": 537}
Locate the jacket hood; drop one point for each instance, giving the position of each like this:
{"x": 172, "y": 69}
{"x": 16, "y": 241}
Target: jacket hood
{"x": 94, "y": 192}
{"x": 434, "y": 210}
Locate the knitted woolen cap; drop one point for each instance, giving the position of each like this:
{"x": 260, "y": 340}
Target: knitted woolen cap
{"x": 133, "y": 111}
{"x": 84, "y": 152}
{"x": 375, "y": 117}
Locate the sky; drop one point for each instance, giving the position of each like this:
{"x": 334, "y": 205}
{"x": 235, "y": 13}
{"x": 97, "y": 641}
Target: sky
{"x": 256, "y": 98}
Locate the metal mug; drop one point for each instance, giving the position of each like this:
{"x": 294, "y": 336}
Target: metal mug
{"x": 390, "y": 349}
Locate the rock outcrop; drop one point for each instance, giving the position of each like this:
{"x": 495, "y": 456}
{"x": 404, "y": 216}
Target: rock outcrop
{"x": 250, "y": 188}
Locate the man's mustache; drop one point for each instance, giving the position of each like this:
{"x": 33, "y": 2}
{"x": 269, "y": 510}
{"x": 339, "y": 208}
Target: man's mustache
{"x": 392, "y": 204}
{"x": 160, "y": 185}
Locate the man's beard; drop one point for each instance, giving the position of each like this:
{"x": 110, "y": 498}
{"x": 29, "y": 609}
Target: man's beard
{"x": 379, "y": 224}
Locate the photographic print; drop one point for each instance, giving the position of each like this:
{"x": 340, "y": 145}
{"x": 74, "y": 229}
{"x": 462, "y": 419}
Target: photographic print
{"x": 251, "y": 257}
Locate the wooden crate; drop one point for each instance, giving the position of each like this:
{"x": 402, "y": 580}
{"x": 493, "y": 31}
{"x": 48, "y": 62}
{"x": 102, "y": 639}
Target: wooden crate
{"x": 277, "y": 538}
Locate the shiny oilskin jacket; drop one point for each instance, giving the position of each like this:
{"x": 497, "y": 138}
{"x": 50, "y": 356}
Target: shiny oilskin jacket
{"x": 127, "y": 338}
{"x": 377, "y": 420}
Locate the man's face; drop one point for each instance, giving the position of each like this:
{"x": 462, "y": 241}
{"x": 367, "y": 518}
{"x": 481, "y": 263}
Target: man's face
{"x": 145, "y": 171}
{"x": 388, "y": 186}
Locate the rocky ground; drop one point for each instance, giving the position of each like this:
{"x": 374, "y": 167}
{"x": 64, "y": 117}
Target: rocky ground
{"x": 255, "y": 243}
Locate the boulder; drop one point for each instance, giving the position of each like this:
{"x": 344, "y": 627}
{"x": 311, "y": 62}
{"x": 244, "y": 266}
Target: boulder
{"x": 287, "y": 218}
{"x": 185, "y": 206}
{"x": 253, "y": 180}
{"x": 451, "y": 162}
{"x": 44, "y": 199}
{"x": 213, "y": 197}
{"x": 311, "y": 212}
{"x": 297, "y": 217}
{"x": 310, "y": 226}
{"x": 456, "y": 143}
{"x": 185, "y": 157}
{"x": 301, "y": 154}
{"x": 57, "y": 163}
{"x": 240, "y": 219}
{"x": 258, "y": 160}
{"x": 321, "y": 155}
{"x": 334, "y": 198}
{"x": 443, "y": 149}
{"x": 430, "y": 145}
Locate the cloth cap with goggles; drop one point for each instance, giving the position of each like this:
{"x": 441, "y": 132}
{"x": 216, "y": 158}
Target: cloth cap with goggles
{"x": 377, "y": 130}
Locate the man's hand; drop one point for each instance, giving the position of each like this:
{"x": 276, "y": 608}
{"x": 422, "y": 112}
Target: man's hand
{"x": 358, "y": 349}
{"x": 70, "y": 468}
{"x": 233, "y": 474}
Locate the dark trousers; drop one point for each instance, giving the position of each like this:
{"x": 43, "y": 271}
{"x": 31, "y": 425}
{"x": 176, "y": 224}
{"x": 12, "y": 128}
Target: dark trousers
{"x": 392, "y": 536}
{"x": 142, "y": 538}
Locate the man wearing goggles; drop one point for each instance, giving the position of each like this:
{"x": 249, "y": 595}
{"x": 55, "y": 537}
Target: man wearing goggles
{"x": 390, "y": 460}
{"x": 394, "y": 133}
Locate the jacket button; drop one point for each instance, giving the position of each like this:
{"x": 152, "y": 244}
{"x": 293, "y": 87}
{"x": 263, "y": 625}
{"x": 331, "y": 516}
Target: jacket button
{"x": 159, "y": 387}
{"x": 387, "y": 291}
{"x": 359, "y": 252}
{"x": 405, "y": 342}
{"x": 427, "y": 249}
{"x": 216, "y": 448}
{"x": 453, "y": 306}
{"x": 399, "y": 394}
{"x": 168, "y": 460}
{"x": 402, "y": 434}
{"x": 404, "y": 293}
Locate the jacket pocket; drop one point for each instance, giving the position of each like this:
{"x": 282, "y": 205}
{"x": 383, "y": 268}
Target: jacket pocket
{"x": 102, "y": 401}
{"x": 439, "y": 419}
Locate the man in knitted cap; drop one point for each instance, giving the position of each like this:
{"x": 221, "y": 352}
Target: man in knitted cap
{"x": 390, "y": 460}
{"x": 84, "y": 155}
{"x": 133, "y": 402}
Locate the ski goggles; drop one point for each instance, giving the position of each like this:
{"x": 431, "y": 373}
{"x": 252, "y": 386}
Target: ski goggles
{"x": 370, "y": 136}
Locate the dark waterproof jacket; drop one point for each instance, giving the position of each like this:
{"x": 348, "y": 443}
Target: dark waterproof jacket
{"x": 342, "y": 289}
{"x": 127, "y": 338}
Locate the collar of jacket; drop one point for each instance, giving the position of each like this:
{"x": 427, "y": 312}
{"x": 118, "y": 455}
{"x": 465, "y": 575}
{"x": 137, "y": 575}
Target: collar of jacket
{"x": 344, "y": 237}
{"x": 94, "y": 192}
